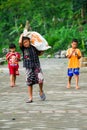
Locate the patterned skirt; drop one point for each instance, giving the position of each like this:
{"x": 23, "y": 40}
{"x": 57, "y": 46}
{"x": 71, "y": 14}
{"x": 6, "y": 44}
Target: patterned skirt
{"x": 34, "y": 76}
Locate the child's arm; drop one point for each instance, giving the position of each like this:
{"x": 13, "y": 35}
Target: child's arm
{"x": 70, "y": 55}
{"x": 78, "y": 55}
{"x": 20, "y": 40}
{"x": 8, "y": 55}
{"x": 40, "y": 53}
{"x": 18, "y": 56}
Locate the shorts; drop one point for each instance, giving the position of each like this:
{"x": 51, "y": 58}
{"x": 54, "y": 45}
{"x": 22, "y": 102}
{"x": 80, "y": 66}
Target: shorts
{"x": 34, "y": 76}
{"x": 13, "y": 69}
{"x": 74, "y": 71}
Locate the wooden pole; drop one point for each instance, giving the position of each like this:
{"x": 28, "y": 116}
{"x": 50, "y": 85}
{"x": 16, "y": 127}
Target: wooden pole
{"x": 27, "y": 26}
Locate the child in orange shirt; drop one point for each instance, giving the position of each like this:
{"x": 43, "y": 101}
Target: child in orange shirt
{"x": 13, "y": 58}
{"x": 73, "y": 54}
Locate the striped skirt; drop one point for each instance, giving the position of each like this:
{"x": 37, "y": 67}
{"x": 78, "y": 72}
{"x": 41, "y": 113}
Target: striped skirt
{"x": 34, "y": 76}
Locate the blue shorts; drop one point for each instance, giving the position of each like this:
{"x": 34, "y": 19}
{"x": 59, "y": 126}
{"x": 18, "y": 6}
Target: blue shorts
{"x": 74, "y": 71}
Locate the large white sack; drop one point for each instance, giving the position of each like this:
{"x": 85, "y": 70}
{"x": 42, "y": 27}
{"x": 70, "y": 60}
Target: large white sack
{"x": 37, "y": 40}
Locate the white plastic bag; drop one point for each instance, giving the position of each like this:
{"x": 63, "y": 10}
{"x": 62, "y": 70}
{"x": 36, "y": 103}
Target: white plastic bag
{"x": 37, "y": 40}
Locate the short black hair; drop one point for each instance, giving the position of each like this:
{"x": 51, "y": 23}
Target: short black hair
{"x": 75, "y": 40}
{"x": 25, "y": 38}
{"x": 11, "y": 46}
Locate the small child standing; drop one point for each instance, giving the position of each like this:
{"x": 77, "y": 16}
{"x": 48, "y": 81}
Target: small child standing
{"x": 13, "y": 58}
{"x": 33, "y": 70}
{"x": 73, "y": 54}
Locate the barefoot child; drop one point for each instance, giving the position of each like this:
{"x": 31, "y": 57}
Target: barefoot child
{"x": 73, "y": 54}
{"x": 13, "y": 58}
{"x": 33, "y": 70}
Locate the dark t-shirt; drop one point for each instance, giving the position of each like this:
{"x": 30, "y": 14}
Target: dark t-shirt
{"x": 30, "y": 57}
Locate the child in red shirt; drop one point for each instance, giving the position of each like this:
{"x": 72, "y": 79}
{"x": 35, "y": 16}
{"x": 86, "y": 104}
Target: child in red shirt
{"x": 13, "y": 58}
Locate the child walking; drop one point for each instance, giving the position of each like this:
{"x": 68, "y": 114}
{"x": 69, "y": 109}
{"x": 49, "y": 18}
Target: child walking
{"x": 33, "y": 70}
{"x": 13, "y": 58}
{"x": 73, "y": 54}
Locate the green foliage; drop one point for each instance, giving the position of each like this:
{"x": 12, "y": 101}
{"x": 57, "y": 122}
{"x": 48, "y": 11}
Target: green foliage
{"x": 59, "y": 21}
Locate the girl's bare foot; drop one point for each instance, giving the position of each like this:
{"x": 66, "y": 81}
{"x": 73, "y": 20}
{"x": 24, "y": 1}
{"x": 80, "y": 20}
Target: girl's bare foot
{"x": 68, "y": 86}
{"x": 12, "y": 85}
{"x": 77, "y": 87}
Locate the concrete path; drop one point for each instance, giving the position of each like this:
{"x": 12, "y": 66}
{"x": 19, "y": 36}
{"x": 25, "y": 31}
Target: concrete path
{"x": 64, "y": 109}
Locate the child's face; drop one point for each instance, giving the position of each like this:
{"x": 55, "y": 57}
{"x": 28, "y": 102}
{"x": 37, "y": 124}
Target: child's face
{"x": 12, "y": 49}
{"x": 74, "y": 45}
{"x": 26, "y": 43}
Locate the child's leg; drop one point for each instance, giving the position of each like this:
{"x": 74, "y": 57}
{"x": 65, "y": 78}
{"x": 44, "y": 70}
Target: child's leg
{"x": 70, "y": 75}
{"x": 42, "y": 94}
{"x": 76, "y": 72}
{"x": 69, "y": 82}
{"x": 30, "y": 92}
{"x": 39, "y": 76}
{"x": 12, "y": 76}
{"x": 16, "y": 72}
{"x": 12, "y": 80}
{"x": 41, "y": 88}
{"x": 11, "y": 83}
{"x": 77, "y": 80}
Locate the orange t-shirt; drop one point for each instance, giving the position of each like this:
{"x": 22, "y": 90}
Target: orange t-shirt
{"x": 73, "y": 61}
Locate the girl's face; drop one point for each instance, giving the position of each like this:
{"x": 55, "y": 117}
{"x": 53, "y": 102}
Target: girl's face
{"x": 12, "y": 49}
{"x": 26, "y": 43}
{"x": 74, "y": 45}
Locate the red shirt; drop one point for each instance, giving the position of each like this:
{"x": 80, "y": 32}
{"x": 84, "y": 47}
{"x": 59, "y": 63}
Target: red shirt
{"x": 13, "y": 58}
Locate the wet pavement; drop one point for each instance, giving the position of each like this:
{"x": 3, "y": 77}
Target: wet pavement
{"x": 64, "y": 109}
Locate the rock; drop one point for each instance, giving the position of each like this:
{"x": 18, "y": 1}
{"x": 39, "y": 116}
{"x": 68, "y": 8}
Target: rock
{"x": 13, "y": 119}
{"x": 57, "y": 56}
{"x": 2, "y": 60}
{"x": 5, "y": 50}
{"x": 49, "y": 56}
{"x": 84, "y": 62}
{"x": 63, "y": 54}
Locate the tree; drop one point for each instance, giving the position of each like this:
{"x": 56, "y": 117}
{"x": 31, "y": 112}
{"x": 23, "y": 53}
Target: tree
{"x": 54, "y": 19}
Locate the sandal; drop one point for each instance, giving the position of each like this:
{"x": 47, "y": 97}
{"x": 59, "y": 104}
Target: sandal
{"x": 43, "y": 97}
{"x": 29, "y": 101}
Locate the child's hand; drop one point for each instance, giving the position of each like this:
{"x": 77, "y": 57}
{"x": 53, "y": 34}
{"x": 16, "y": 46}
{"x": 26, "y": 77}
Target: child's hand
{"x": 40, "y": 53}
{"x": 11, "y": 53}
{"x": 13, "y": 59}
{"x": 73, "y": 51}
{"x": 20, "y": 40}
{"x": 69, "y": 56}
{"x": 76, "y": 54}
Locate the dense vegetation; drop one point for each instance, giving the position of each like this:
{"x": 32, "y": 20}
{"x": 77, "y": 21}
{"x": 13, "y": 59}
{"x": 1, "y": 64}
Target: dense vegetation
{"x": 57, "y": 20}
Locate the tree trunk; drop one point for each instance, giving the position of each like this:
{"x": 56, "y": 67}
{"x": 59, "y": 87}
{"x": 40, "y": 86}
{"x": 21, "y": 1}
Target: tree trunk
{"x": 82, "y": 12}
{"x": 27, "y": 26}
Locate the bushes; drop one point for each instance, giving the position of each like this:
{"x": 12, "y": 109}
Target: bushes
{"x": 59, "y": 21}
{"x": 61, "y": 38}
